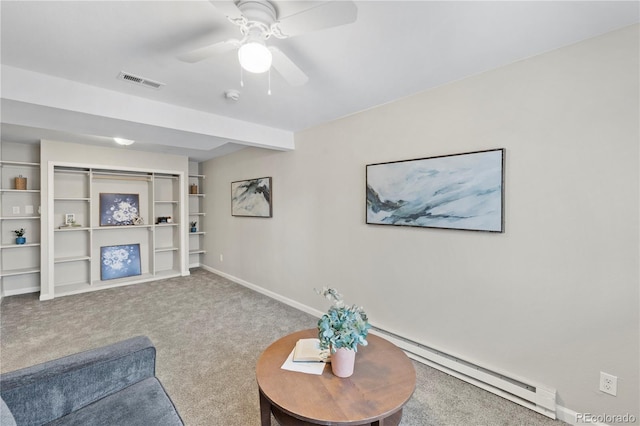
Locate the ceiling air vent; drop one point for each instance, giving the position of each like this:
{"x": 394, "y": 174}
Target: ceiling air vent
{"x": 139, "y": 80}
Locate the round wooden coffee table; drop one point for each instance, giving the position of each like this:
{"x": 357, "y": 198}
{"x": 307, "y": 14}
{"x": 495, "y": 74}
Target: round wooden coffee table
{"x": 382, "y": 382}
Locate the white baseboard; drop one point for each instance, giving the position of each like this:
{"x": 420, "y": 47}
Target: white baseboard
{"x": 572, "y": 417}
{"x": 20, "y": 291}
{"x": 562, "y": 413}
{"x": 276, "y": 296}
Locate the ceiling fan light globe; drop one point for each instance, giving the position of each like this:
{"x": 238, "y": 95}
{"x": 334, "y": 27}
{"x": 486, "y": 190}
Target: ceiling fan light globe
{"x": 254, "y": 57}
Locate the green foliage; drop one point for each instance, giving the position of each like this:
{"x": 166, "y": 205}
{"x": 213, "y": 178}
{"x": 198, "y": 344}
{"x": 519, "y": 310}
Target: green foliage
{"x": 342, "y": 326}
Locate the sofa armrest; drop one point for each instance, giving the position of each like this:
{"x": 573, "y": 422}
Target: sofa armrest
{"x": 42, "y": 393}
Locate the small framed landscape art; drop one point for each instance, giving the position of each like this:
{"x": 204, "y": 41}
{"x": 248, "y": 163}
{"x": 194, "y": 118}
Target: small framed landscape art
{"x": 118, "y": 209}
{"x": 251, "y": 198}
{"x": 119, "y": 261}
{"x": 459, "y": 191}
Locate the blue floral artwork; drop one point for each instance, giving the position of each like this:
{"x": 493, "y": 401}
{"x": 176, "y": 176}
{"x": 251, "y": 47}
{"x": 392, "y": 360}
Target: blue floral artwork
{"x": 119, "y": 261}
{"x": 118, "y": 209}
{"x": 460, "y": 191}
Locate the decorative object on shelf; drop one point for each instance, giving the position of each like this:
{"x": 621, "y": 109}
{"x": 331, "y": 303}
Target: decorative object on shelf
{"x": 164, "y": 219}
{"x": 341, "y": 330}
{"x": 20, "y": 238}
{"x": 21, "y": 183}
{"x": 251, "y": 198}
{"x": 459, "y": 191}
{"x": 193, "y": 188}
{"x": 119, "y": 261}
{"x": 118, "y": 209}
{"x": 193, "y": 226}
{"x": 69, "y": 219}
{"x": 138, "y": 220}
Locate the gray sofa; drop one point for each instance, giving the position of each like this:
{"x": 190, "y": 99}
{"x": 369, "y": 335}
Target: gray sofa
{"x": 112, "y": 385}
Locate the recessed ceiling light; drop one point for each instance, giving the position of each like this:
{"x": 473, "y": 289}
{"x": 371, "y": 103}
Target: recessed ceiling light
{"x": 121, "y": 141}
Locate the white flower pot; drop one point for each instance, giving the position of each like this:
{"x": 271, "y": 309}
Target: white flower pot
{"x": 342, "y": 362}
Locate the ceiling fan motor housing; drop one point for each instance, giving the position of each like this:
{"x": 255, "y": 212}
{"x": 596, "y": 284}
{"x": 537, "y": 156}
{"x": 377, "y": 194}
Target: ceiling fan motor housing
{"x": 259, "y": 14}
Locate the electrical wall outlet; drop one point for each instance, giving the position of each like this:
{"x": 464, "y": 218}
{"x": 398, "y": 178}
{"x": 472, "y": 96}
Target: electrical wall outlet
{"x": 608, "y": 383}
{"x": 221, "y": 258}
{"x": 16, "y": 210}
{"x": 28, "y": 209}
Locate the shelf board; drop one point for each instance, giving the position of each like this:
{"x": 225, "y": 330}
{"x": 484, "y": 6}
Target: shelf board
{"x": 197, "y": 251}
{"x": 71, "y": 259}
{"x": 121, "y": 176}
{"x": 198, "y": 233}
{"x": 197, "y": 214}
{"x": 111, "y": 228}
{"x": 167, "y": 273}
{"x": 99, "y": 284}
{"x": 167, "y": 224}
{"x": 197, "y": 176}
{"x": 12, "y": 246}
{"x": 23, "y": 271}
{"x": 63, "y": 289}
{"x": 19, "y": 163}
{"x": 164, "y": 249}
{"x": 197, "y": 195}
{"x": 19, "y": 217}
{"x": 59, "y": 170}
{"x": 33, "y": 191}
{"x": 72, "y": 199}
{"x": 72, "y": 228}
{"x": 166, "y": 202}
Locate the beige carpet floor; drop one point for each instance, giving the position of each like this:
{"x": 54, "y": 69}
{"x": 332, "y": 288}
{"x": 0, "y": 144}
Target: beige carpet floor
{"x": 209, "y": 333}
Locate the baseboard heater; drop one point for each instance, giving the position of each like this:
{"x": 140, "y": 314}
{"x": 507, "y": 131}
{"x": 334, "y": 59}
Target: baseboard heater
{"x": 534, "y": 397}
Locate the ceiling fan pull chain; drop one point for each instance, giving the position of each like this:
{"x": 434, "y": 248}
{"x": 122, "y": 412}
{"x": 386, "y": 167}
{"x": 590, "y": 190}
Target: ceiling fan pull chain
{"x": 269, "y": 89}
{"x": 241, "y": 78}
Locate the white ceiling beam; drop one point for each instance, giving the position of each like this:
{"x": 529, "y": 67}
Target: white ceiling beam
{"x": 28, "y": 87}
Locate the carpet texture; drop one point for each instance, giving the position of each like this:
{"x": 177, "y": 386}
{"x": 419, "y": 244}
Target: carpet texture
{"x": 209, "y": 333}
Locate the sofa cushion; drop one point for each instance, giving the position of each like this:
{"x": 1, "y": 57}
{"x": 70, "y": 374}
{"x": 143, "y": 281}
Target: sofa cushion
{"x": 142, "y": 404}
{"x": 45, "y": 392}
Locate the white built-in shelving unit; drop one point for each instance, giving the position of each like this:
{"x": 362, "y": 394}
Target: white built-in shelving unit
{"x": 196, "y": 214}
{"x": 74, "y": 253}
{"x": 19, "y": 208}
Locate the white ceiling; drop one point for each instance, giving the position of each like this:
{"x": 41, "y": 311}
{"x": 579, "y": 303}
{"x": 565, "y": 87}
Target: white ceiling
{"x": 60, "y": 60}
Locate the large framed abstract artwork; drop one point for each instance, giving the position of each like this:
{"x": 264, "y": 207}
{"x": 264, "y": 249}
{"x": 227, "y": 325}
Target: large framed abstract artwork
{"x": 251, "y": 197}
{"x": 119, "y": 209}
{"x": 459, "y": 191}
{"x": 119, "y": 261}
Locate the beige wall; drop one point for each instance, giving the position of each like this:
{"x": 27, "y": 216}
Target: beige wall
{"x": 554, "y": 299}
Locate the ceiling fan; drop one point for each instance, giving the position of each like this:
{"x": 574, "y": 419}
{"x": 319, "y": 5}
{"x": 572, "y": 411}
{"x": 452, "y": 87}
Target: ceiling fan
{"x": 258, "y": 20}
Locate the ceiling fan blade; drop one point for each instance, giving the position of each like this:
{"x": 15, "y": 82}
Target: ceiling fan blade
{"x": 325, "y": 15}
{"x": 228, "y": 8}
{"x": 285, "y": 66}
{"x": 205, "y": 52}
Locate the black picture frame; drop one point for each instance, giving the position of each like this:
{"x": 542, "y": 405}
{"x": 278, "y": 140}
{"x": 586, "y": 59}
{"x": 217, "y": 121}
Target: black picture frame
{"x": 458, "y": 191}
{"x": 252, "y": 198}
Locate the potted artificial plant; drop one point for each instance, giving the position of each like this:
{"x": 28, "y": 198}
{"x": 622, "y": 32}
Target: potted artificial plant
{"x": 193, "y": 226}
{"x": 341, "y": 330}
{"x": 20, "y": 239}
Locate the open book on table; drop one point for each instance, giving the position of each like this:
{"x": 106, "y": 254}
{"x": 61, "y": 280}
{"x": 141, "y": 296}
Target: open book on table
{"x": 308, "y": 350}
